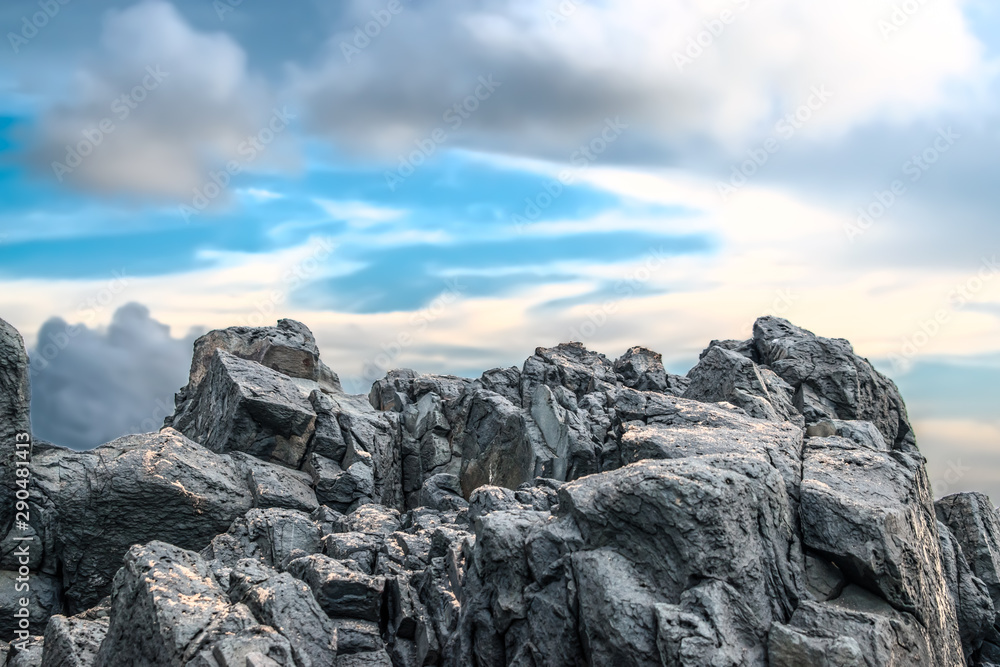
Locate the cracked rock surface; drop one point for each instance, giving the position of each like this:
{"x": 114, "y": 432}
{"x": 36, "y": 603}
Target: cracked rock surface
{"x": 770, "y": 508}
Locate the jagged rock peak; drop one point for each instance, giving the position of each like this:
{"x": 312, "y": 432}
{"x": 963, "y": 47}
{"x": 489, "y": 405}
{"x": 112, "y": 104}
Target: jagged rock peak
{"x": 768, "y": 509}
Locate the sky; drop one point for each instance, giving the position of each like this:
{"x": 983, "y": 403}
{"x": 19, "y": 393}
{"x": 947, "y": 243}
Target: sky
{"x": 447, "y": 185}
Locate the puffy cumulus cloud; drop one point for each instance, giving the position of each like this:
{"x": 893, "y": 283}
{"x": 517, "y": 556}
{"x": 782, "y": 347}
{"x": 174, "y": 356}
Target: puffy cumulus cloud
{"x": 158, "y": 109}
{"x": 678, "y": 73}
{"x": 89, "y": 386}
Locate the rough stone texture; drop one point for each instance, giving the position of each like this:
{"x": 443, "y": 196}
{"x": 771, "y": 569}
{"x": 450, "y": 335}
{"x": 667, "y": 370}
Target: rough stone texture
{"x": 769, "y": 509}
{"x": 45, "y": 599}
{"x": 166, "y": 607}
{"x": 14, "y": 417}
{"x": 276, "y": 486}
{"x": 625, "y": 557}
{"x": 642, "y": 369}
{"x": 442, "y": 492}
{"x": 681, "y": 428}
{"x": 245, "y": 407}
{"x": 496, "y": 449}
{"x": 974, "y": 524}
{"x": 856, "y": 629}
{"x": 73, "y": 642}
{"x": 971, "y": 597}
{"x": 288, "y": 348}
{"x": 830, "y": 381}
{"x": 30, "y": 655}
{"x": 94, "y": 505}
{"x": 280, "y": 601}
{"x": 871, "y": 513}
{"x": 724, "y": 375}
{"x": 342, "y": 592}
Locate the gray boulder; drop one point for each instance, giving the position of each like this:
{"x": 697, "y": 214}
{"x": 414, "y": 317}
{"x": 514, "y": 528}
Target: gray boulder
{"x": 288, "y": 348}
{"x": 570, "y": 366}
{"x": 442, "y": 492}
{"x": 73, "y": 641}
{"x": 871, "y": 513}
{"x": 857, "y": 628}
{"x": 342, "y": 592}
{"x": 286, "y": 604}
{"x": 971, "y": 597}
{"x": 495, "y": 449}
{"x": 830, "y": 381}
{"x": 682, "y": 428}
{"x": 625, "y": 560}
{"x": 44, "y": 599}
{"x": 274, "y": 485}
{"x": 242, "y": 406}
{"x": 642, "y": 369}
{"x": 26, "y": 654}
{"x": 974, "y": 524}
{"x": 166, "y": 608}
{"x": 138, "y": 488}
{"x": 724, "y": 375}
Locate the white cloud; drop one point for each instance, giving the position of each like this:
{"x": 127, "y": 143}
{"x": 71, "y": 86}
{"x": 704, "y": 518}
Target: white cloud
{"x": 359, "y": 213}
{"x": 560, "y": 78}
{"x": 260, "y": 194}
{"x": 158, "y": 109}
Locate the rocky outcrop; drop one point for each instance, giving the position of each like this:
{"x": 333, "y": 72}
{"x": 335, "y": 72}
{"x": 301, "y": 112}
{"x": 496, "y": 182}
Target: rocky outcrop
{"x": 770, "y": 508}
{"x": 14, "y": 419}
{"x": 973, "y": 522}
{"x": 830, "y": 381}
{"x": 872, "y": 514}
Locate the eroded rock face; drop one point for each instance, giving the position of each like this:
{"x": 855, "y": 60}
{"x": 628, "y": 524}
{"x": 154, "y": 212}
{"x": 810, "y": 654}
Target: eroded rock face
{"x": 768, "y": 509}
{"x": 974, "y": 524}
{"x": 242, "y": 406}
{"x": 288, "y": 348}
{"x": 725, "y": 375}
{"x": 138, "y": 488}
{"x": 642, "y": 369}
{"x": 14, "y": 416}
{"x": 830, "y": 381}
{"x": 971, "y": 597}
{"x": 872, "y": 513}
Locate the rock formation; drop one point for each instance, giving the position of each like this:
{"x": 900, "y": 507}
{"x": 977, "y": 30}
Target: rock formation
{"x": 769, "y": 509}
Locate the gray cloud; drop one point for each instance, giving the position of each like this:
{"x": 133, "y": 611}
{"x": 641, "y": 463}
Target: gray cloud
{"x": 157, "y": 109}
{"x": 89, "y": 386}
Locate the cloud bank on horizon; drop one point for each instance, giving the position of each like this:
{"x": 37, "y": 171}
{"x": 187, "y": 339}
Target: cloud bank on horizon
{"x": 446, "y": 185}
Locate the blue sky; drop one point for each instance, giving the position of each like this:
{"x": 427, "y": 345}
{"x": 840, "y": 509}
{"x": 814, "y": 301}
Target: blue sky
{"x": 471, "y": 180}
